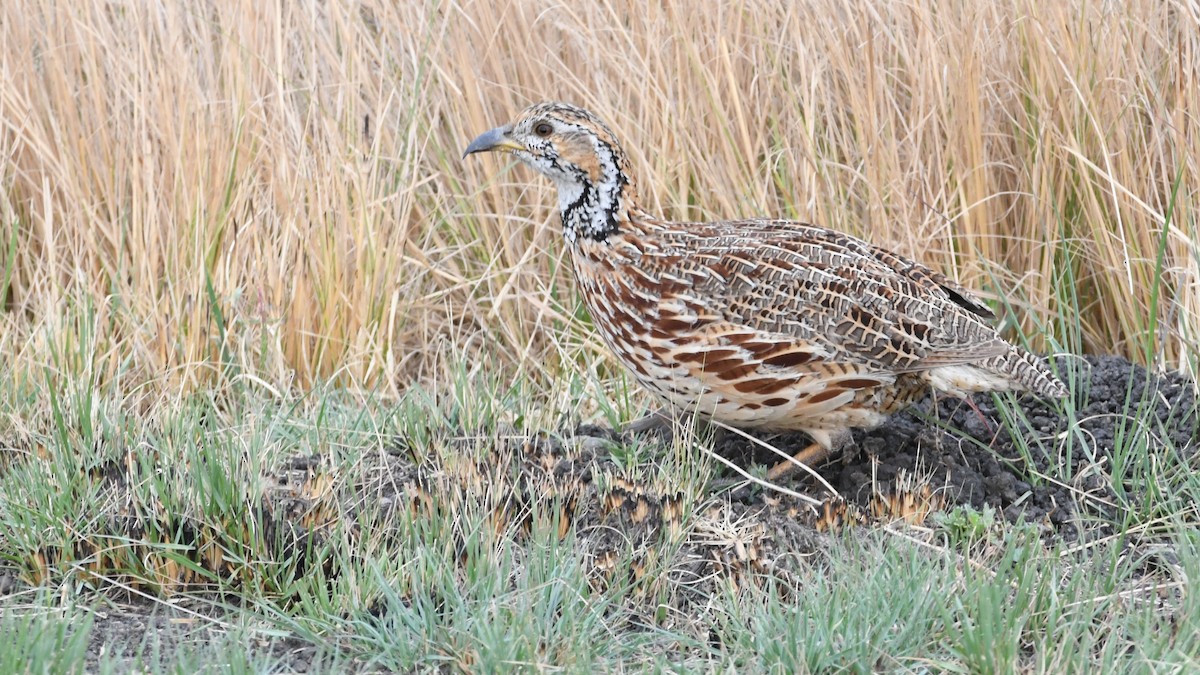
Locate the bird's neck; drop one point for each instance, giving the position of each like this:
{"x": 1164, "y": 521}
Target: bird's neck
{"x": 595, "y": 206}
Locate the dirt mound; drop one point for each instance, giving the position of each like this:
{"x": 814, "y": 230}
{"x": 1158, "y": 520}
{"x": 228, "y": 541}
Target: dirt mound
{"x": 1023, "y": 458}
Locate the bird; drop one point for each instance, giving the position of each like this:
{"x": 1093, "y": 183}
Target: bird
{"x": 758, "y": 324}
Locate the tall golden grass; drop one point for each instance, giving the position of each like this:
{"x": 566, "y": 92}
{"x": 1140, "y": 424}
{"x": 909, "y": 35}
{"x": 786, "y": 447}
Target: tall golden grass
{"x": 277, "y": 187}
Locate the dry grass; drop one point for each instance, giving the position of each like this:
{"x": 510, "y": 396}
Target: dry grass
{"x": 273, "y": 191}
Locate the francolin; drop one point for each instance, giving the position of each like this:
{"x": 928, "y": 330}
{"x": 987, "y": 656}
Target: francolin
{"x": 758, "y": 324}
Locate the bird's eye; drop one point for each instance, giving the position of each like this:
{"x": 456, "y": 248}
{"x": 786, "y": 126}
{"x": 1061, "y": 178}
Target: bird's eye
{"x": 543, "y": 129}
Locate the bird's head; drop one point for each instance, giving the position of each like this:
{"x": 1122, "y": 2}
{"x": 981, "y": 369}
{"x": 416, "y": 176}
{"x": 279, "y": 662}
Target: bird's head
{"x": 577, "y": 151}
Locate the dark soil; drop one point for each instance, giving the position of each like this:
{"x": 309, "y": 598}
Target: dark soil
{"x": 1039, "y": 466}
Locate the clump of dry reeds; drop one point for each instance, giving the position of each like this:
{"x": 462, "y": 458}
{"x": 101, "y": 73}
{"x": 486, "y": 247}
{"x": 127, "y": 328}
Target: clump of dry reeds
{"x": 274, "y": 190}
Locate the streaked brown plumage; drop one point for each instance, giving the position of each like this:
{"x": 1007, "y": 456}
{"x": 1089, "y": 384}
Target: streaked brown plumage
{"x": 764, "y": 324}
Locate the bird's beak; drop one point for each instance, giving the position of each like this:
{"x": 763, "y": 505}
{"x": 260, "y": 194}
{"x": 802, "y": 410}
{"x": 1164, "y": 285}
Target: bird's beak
{"x": 496, "y": 139}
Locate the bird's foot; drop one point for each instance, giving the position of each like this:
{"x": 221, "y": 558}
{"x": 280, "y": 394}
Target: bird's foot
{"x": 811, "y": 456}
{"x": 653, "y": 421}
{"x": 658, "y": 423}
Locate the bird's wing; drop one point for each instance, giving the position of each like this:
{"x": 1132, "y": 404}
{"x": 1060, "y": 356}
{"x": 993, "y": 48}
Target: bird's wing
{"x": 826, "y": 294}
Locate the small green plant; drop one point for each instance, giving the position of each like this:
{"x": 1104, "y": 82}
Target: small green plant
{"x": 963, "y": 526}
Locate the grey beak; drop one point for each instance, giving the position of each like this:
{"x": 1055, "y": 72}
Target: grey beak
{"x": 495, "y": 139}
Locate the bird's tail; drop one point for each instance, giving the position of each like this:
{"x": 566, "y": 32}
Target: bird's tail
{"x": 1027, "y": 372}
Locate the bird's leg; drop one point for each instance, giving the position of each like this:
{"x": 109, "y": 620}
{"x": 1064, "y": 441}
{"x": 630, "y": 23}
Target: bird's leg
{"x": 823, "y": 447}
{"x": 982, "y": 418}
{"x": 970, "y": 401}
{"x": 653, "y": 421}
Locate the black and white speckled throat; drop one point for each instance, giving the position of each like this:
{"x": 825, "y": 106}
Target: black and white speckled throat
{"x": 591, "y": 209}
